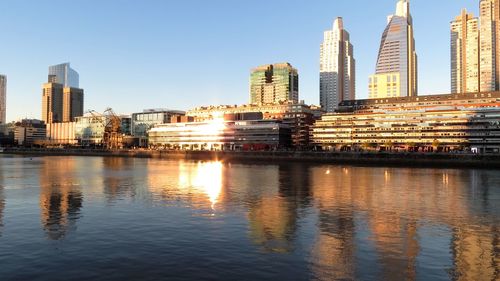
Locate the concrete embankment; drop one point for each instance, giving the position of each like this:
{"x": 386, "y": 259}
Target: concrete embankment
{"x": 442, "y": 160}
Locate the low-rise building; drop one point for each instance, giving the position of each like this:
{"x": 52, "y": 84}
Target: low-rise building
{"x": 61, "y": 134}
{"x": 89, "y": 129}
{"x": 29, "y": 132}
{"x": 219, "y": 134}
{"x": 298, "y": 116}
{"x": 143, "y": 121}
{"x": 455, "y": 121}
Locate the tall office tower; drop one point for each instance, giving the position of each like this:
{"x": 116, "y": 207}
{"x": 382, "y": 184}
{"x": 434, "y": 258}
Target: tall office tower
{"x": 337, "y": 68}
{"x": 396, "y": 71}
{"x": 489, "y": 43}
{"x": 52, "y": 103}
{"x": 465, "y": 53}
{"x": 72, "y": 104}
{"x": 3, "y": 99}
{"x": 64, "y": 74}
{"x": 274, "y": 83}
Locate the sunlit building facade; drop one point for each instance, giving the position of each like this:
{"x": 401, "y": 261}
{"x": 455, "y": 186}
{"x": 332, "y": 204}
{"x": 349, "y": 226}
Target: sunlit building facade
{"x": 143, "y": 121}
{"x": 465, "y": 53}
{"x": 298, "y": 116}
{"x": 274, "y": 83}
{"x": 456, "y": 121}
{"x": 65, "y": 75}
{"x": 29, "y": 132}
{"x": 90, "y": 128}
{"x": 221, "y": 135}
{"x": 396, "y": 70}
{"x": 3, "y": 99}
{"x": 337, "y": 67}
{"x": 489, "y": 45}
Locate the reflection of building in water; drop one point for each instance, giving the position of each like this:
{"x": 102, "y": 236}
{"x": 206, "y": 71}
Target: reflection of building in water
{"x": 273, "y": 216}
{"x": 60, "y": 197}
{"x": 201, "y": 184}
{"x": 117, "y": 176}
{"x": 333, "y": 253}
{"x": 390, "y": 206}
{"x": 476, "y": 253}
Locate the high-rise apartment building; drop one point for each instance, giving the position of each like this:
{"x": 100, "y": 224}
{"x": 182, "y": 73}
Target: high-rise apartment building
{"x": 60, "y": 101}
{"x": 489, "y": 45}
{"x": 65, "y": 75}
{"x": 465, "y": 53}
{"x": 337, "y": 67}
{"x": 274, "y": 83}
{"x": 3, "y": 99}
{"x": 396, "y": 70}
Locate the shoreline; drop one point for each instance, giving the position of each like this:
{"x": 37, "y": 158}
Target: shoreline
{"x": 405, "y": 159}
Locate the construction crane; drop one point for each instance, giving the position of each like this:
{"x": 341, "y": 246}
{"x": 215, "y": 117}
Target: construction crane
{"x": 112, "y": 138}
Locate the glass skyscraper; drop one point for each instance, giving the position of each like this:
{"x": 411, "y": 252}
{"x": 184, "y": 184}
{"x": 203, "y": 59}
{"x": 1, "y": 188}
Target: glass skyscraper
{"x": 274, "y": 83}
{"x": 337, "y": 68}
{"x": 3, "y": 98}
{"x": 64, "y": 74}
{"x": 396, "y": 70}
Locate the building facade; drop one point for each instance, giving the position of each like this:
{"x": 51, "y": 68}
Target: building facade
{"x": 72, "y": 104}
{"x": 298, "y": 116}
{"x": 29, "y": 132}
{"x": 3, "y": 99}
{"x": 52, "y": 103}
{"x": 274, "y": 83}
{"x": 337, "y": 68}
{"x": 465, "y": 54}
{"x": 61, "y": 133}
{"x": 396, "y": 69}
{"x": 489, "y": 45}
{"x": 454, "y": 121}
{"x": 65, "y": 75}
{"x": 90, "y": 129}
{"x": 221, "y": 135}
{"x": 143, "y": 121}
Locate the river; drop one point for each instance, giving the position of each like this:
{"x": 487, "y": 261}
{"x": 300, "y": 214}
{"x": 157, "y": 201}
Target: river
{"x": 93, "y": 218}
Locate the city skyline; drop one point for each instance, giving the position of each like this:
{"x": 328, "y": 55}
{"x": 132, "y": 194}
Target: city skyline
{"x": 113, "y": 63}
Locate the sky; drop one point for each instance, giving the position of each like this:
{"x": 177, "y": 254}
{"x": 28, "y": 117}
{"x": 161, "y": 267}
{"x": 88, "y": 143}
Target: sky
{"x": 132, "y": 55}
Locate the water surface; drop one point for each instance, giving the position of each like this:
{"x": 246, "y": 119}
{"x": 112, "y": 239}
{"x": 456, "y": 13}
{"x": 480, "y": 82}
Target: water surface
{"x": 83, "y": 218}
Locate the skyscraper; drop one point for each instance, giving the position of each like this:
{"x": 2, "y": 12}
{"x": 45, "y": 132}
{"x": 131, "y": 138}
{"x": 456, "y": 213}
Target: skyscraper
{"x": 274, "y": 83}
{"x": 465, "y": 53}
{"x": 60, "y": 101}
{"x": 396, "y": 70}
{"x": 3, "y": 99}
{"x": 337, "y": 67}
{"x": 489, "y": 45}
{"x": 64, "y": 74}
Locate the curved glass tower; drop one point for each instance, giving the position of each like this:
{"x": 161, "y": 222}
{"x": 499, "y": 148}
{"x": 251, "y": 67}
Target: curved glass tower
{"x": 396, "y": 70}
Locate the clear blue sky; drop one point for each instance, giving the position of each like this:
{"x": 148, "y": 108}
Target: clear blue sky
{"x": 135, "y": 54}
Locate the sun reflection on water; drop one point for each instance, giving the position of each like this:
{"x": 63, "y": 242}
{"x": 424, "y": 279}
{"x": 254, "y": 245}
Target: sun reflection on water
{"x": 205, "y": 177}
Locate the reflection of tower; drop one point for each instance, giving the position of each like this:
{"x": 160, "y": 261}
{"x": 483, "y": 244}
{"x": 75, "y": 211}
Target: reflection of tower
{"x": 273, "y": 217}
{"x": 476, "y": 253}
{"x": 333, "y": 252}
{"x": 60, "y": 201}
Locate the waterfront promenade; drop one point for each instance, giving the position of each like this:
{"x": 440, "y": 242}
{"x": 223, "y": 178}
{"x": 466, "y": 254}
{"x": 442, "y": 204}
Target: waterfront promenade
{"x": 465, "y": 160}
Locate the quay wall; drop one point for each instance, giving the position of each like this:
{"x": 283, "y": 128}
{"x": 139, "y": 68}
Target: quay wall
{"x": 440, "y": 160}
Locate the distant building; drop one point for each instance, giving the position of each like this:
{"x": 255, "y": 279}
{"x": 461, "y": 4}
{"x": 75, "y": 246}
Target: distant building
{"x": 3, "y": 99}
{"x": 489, "y": 45}
{"x": 90, "y": 128}
{"x": 453, "y": 121}
{"x": 298, "y": 116}
{"x": 143, "y": 121}
{"x": 65, "y": 75}
{"x": 396, "y": 70}
{"x": 274, "y": 83}
{"x": 126, "y": 125}
{"x": 337, "y": 68}
{"x": 465, "y": 54}
{"x": 221, "y": 135}
{"x": 62, "y": 100}
{"x": 29, "y": 131}
{"x": 61, "y": 134}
